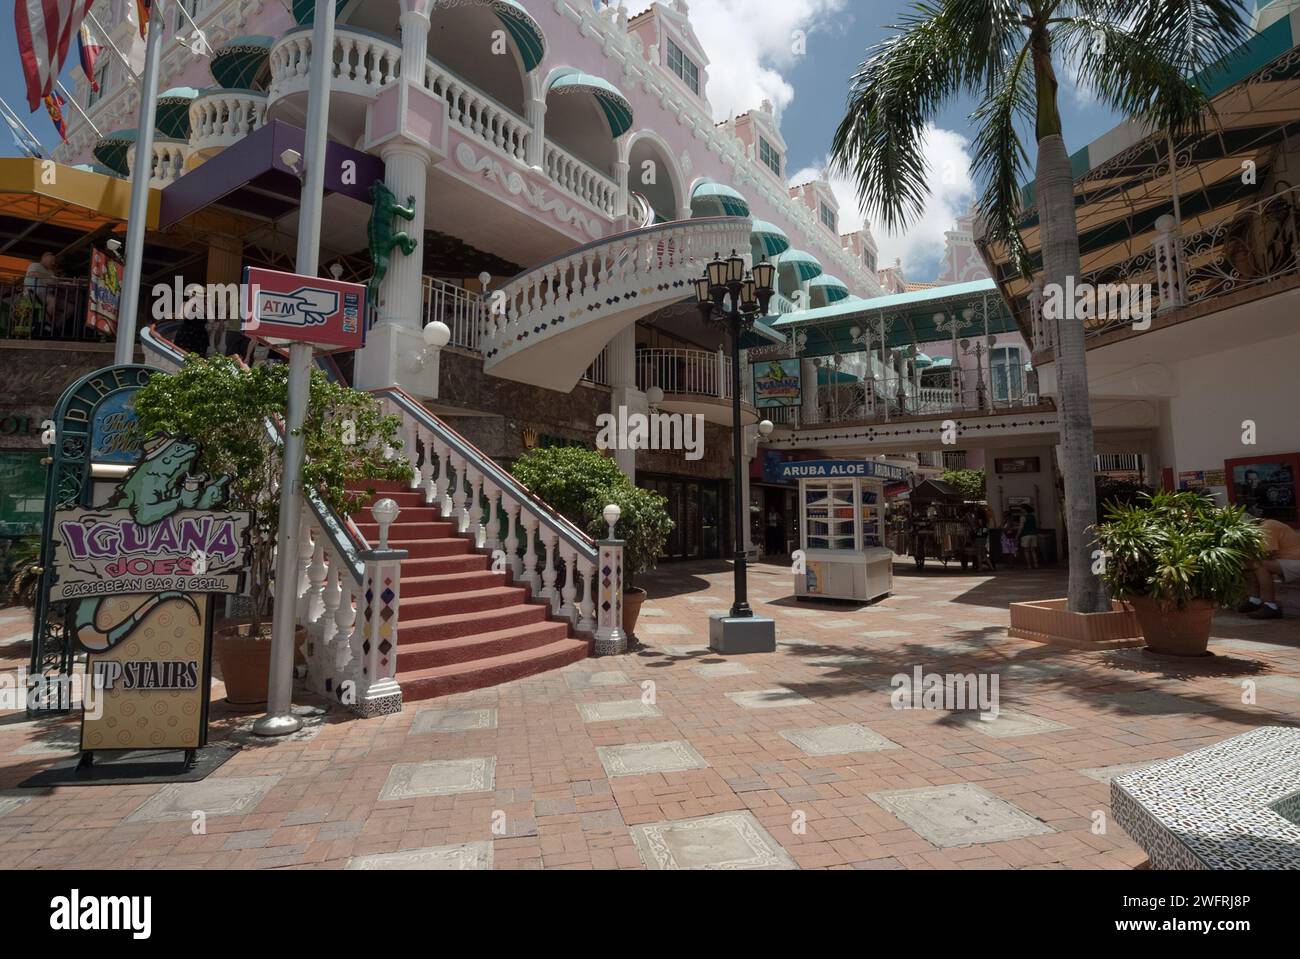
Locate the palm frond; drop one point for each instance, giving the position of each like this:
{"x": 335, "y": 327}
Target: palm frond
{"x": 1000, "y": 159}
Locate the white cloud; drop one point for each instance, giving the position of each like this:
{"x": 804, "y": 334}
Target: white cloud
{"x": 750, "y": 43}
{"x": 921, "y": 245}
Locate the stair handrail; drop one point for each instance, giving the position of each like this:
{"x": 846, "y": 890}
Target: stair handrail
{"x": 501, "y": 478}
{"x": 346, "y": 538}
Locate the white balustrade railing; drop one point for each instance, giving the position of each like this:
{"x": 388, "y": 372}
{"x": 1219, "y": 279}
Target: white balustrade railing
{"x": 581, "y": 578}
{"x": 576, "y": 177}
{"x": 598, "y": 372}
{"x": 347, "y": 593}
{"x": 459, "y": 308}
{"x": 477, "y": 114}
{"x": 664, "y": 257}
{"x": 168, "y": 162}
{"x": 697, "y": 372}
{"x": 219, "y": 118}
{"x": 362, "y": 64}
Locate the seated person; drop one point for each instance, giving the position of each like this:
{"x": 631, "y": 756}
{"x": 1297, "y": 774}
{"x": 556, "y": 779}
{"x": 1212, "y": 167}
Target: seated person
{"x": 42, "y": 284}
{"x": 1281, "y": 558}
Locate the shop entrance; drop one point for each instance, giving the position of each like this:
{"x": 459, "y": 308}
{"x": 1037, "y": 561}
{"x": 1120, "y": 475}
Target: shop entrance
{"x": 698, "y": 509}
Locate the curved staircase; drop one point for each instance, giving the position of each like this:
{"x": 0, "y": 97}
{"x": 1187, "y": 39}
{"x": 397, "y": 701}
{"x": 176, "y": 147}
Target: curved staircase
{"x": 463, "y": 626}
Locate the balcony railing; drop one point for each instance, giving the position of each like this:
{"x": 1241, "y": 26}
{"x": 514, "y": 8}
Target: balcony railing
{"x": 460, "y": 309}
{"x": 477, "y": 114}
{"x": 695, "y": 372}
{"x": 572, "y": 175}
{"x": 219, "y": 118}
{"x": 362, "y": 64}
{"x": 868, "y": 402}
{"x": 168, "y": 165}
{"x": 45, "y": 310}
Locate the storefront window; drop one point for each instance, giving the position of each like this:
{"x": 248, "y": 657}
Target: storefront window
{"x": 22, "y": 493}
{"x": 1007, "y": 372}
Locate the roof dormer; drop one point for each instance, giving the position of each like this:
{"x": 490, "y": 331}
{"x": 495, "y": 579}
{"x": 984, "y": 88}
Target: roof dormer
{"x": 818, "y": 196}
{"x": 670, "y": 42}
{"x": 758, "y": 131}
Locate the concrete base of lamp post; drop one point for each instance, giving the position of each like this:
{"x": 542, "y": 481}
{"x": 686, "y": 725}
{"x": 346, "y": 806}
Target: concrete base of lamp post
{"x": 734, "y": 635}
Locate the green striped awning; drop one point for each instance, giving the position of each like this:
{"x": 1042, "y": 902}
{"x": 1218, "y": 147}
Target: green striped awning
{"x": 799, "y": 265}
{"x": 173, "y": 112}
{"x": 827, "y": 289}
{"x": 523, "y": 29}
{"x": 243, "y": 63}
{"x": 617, "y": 109}
{"x": 710, "y": 198}
{"x": 768, "y": 239}
{"x": 112, "y": 148}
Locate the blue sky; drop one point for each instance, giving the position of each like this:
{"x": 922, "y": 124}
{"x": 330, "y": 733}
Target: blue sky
{"x": 749, "y": 43}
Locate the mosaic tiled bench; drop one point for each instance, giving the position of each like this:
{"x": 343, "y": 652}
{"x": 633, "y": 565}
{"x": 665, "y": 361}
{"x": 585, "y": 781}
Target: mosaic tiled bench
{"x": 1233, "y": 805}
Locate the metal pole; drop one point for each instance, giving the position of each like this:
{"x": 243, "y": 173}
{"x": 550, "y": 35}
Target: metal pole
{"x": 740, "y": 604}
{"x": 279, "y": 719}
{"x": 136, "y": 224}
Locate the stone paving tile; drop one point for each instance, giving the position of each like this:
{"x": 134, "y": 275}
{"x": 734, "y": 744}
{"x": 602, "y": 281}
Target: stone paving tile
{"x": 619, "y": 709}
{"x": 10, "y": 802}
{"x": 635, "y": 759}
{"x": 663, "y": 629}
{"x": 1104, "y": 774}
{"x": 571, "y": 792}
{"x": 960, "y": 815}
{"x": 837, "y": 740}
{"x": 445, "y": 777}
{"x": 214, "y": 796}
{"x": 734, "y": 840}
{"x": 470, "y": 855}
{"x": 453, "y": 720}
{"x": 1007, "y": 723}
{"x": 777, "y": 697}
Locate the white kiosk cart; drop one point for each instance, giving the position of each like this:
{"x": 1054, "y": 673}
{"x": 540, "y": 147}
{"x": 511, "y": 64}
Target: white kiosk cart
{"x": 842, "y": 528}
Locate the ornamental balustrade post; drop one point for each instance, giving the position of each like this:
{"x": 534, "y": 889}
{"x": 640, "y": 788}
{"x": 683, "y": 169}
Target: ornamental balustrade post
{"x": 377, "y": 692}
{"x": 610, "y": 640}
{"x": 1171, "y": 282}
{"x": 1038, "y": 325}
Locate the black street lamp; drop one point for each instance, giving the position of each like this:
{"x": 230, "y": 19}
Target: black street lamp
{"x": 732, "y": 298}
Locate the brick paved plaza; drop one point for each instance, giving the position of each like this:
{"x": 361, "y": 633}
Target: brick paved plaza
{"x": 674, "y": 757}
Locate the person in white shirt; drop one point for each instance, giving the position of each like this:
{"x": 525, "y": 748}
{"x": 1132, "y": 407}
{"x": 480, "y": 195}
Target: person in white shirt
{"x": 41, "y": 284}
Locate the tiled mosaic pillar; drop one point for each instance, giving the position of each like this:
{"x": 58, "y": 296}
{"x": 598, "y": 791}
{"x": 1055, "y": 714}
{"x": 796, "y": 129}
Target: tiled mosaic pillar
{"x": 378, "y": 692}
{"x": 610, "y": 638}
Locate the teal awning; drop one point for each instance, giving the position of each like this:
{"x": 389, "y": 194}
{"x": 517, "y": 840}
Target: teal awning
{"x": 615, "y": 106}
{"x": 243, "y": 63}
{"x": 768, "y": 239}
{"x": 918, "y": 317}
{"x": 799, "y": 265}
{"x": 761, "y": 335}
{"x": 523, "y": 29}
{"x": 304, "y": 11}
{"x": 173, "y": 112}
{"x": 710, "y": 198}
{"x": 827, "y": 289}
{"x": 826, "y": 377}
{"x": 922, "y": 361}
{"x": 112, "y": 148}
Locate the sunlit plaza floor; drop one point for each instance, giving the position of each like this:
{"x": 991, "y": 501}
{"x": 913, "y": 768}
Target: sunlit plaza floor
{"x": 672, "y": 756}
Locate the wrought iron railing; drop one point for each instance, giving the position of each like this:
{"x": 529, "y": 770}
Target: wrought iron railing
{"x": 697, "y": 372}
{"x": 43, "y": 309}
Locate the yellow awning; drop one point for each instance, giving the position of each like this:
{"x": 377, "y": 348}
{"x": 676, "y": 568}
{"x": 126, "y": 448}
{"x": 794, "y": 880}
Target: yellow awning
{"x": 48, "y": 192}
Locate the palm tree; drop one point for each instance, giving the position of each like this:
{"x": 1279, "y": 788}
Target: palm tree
{"x": 1138, "y": 56}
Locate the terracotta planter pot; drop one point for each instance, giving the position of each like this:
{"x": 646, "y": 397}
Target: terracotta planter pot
{"x": 245, "y": 662}
{"x": 1175, "y": 632}
{"x": 632, "y": 600}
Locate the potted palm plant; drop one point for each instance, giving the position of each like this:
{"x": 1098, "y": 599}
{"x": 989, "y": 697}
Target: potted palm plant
{"x": 225, "y": 406}
{"x": 1175, "y": 558}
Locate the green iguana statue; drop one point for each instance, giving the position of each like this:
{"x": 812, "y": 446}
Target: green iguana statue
{"x": 383, "y": 237}
{"x": 162, "y": 483}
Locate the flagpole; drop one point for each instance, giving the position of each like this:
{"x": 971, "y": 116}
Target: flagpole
{"x": 73, "y": 100}
{"x": 136, "y": 224}
{"x": 202, "y": 36}
{"x": 113, "y": 46}
{"x": 279, "y": 719}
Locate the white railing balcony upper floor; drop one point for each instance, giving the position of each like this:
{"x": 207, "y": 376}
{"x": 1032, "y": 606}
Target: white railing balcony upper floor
{"x": 168, "y": 162}
{"x": 692, "y": 372}
{"x": 220, "y": 118}
{"x": 365, "y": 64}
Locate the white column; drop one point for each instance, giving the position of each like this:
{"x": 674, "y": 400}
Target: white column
{"x": 535, "y": 114}
{"x": 623, "y": 392}
{"x": 808, "y": 387}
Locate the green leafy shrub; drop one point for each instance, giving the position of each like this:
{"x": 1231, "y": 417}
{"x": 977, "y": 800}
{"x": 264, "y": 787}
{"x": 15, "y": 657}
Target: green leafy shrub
{"x": 579, "y": 483}
{"x": 223, "y": 406}
{"x": 1178, "y": 547}
{"x": 970, "y": 483}
{"x": 22, "y": 565}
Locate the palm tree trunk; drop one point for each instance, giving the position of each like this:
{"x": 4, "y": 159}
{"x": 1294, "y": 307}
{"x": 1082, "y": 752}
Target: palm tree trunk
{"x": 1060, "y": 245}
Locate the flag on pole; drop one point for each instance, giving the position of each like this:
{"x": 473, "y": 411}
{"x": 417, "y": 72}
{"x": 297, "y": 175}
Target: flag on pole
{"x": 88, "y": 47}
{"x": 45, "y": 30}
{"x": 54, "y": 104}
{"x": 23, "y": 140}
{"x": 142, "y": 8}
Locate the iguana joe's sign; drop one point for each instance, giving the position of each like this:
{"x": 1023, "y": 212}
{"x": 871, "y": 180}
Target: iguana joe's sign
{"x": 143, "y": 568}
{"x": 158, "y": 532}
